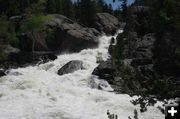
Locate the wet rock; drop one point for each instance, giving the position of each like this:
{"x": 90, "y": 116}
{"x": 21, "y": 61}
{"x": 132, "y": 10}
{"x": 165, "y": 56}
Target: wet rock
{"x": 70, "y": 67}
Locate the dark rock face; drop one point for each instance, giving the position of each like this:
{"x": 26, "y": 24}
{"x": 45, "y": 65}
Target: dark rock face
{"x": 147, "y": 59}
{"x": 105, "y": 71}
{"x": 70, "y": 67}
{"x": 70, "y": 36}
{"x": 139, "y": 50}
{"x": 2, "y": 73}
{"x": 106, "y": 23}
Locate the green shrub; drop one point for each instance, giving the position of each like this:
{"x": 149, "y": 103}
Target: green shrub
{"x": 34, "y": 23}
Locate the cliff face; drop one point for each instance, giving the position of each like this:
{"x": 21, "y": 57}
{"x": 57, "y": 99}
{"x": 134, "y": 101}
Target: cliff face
{"x": 144, "y": 61}
{"x": 149, "y": 59}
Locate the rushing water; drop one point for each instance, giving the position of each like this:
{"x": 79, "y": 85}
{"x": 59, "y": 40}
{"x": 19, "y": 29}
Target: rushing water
{"x": 37, "y": 92}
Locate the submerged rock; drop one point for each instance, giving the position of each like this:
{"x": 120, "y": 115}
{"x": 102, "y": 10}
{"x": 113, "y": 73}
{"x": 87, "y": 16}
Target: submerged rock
{"x": 70, "y": 67}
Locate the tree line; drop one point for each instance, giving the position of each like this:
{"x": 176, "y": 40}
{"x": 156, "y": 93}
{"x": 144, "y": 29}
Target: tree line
{"x": 81, "y": 10}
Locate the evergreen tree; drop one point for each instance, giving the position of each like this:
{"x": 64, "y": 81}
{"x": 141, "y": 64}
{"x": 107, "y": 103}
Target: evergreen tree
{"x": 124, "y": 8}
{"x": 51, "y": 6}
{"x": 34, "y": 25}
{"x": 99, "y": 5}
{"x": 88, "y": 11}
{"x": 67, "y": 8}
{"x": 110, "y": 9}
{"x": 64, "y": 7}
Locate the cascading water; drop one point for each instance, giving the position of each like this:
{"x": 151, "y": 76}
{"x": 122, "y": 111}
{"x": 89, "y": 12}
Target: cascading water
{"x": 37, "y": 92}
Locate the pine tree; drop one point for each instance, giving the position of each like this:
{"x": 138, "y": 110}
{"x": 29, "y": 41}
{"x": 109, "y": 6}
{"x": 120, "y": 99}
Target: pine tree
{"x": 51, "y": 6}
{"x": 88, "y": 11}
{"x": 99, "y": 5}
{"x": 124, "y": 8}
{"x": 67, "y": 8}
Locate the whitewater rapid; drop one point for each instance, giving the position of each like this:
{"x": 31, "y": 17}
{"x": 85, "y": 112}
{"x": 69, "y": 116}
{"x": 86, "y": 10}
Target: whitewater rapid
{"x": 37, "y": 92}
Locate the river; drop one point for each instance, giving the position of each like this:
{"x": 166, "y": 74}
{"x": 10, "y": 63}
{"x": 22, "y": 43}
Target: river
{"x": 37, "y": 92}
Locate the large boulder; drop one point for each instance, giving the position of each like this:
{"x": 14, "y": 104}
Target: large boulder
{"x": 105, "y": 70}
{"x": 70, "y": 36}
{"x": 145, "y": 46}
{"x": 70, "y": 67}
{"x": 106, "y": 23}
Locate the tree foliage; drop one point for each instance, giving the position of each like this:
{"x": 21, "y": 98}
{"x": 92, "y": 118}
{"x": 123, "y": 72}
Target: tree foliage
{"x": 33, "y": 25}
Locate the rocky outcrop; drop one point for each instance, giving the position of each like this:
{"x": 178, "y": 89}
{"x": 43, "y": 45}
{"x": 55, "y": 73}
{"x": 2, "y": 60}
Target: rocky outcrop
{"x": 60, "y": 34}
{"x": 71, "y": 36}
{"x": 106, "y": 23}
{"x": 70, "y": 67}
{"x": 105, "y": 70}
{"x": 147, "y": 61}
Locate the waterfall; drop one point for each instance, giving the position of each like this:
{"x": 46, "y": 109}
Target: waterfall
{"x": 37, "y": 92}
